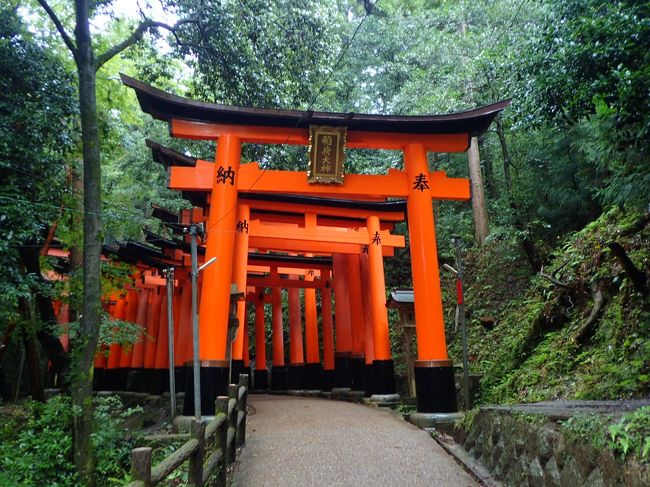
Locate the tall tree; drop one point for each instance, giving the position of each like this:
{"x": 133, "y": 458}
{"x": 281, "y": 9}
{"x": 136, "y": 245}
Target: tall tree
{"x": 87, "y": 63}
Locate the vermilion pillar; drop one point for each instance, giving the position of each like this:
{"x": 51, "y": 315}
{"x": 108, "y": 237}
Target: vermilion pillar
{"x": 342, "y": 320}
{"x": 369, "y": 341}
{"x": 160, "y": 373}
{"x": 295, "y": 372}
{"x": 179, "y": 375}
{"x": 383, "y": 377}
{"x": 215, "y": 294}
{"x": 112, "y": 377}
{"x": 246, "y": 355}
{"x": 184, "y": 332}
{"x": 357, "y": 323}
{"x": 151, "y": 338}
{"x": 132, "y": 300}
{"x": 313, "y": 370}
{"x": 434, "y": 375}
{"x": 260, "y": 380}
{"x": 239, "y": 278}
{"x": 137, "y": 358}
{"x": 279, "y": 369}
{"x": 328, "y": 334}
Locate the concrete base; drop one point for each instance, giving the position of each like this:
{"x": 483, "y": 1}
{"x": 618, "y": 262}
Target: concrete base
{"x": 432, "y": 420}
{"x": 339, "y": 392}
{"x": 295, "y": 392}
{"x": 311, "y": 393}
{"x": 325, "y": 394}
{"x": 384, "y": 400}
{"x": 354, "y": 396}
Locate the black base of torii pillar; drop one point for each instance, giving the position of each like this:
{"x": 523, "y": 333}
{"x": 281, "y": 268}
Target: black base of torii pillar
{"x": 214, "y": 382}
{"x": 436, "y": 386}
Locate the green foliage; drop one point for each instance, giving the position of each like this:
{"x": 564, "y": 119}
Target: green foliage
{"x": 111, "y": 439}
{"x": 627, "y": 435}
{"x": 586, "y": 428}
{"x": 36, "y": 443}
{"x": 601, "y": 50}
{"x": 631, "y": 434}
{"x": 36, "y": 131}
{"x": 36, "y": 446}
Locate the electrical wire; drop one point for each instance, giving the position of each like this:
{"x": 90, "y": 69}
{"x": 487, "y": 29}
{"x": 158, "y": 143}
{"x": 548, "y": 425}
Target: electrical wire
{"x": 309, "y": 107}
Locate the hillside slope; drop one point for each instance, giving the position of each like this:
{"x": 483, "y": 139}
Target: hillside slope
{"x": 578, "y": 330}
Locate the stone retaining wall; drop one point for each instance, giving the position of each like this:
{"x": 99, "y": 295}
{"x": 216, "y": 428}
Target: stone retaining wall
{"x": 523, "y": 449}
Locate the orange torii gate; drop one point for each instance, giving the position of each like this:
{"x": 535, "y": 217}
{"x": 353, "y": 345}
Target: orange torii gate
{"x": 304, "y": 371}
{"x": 316, "y": 219}
{"x": 225, "y": 179}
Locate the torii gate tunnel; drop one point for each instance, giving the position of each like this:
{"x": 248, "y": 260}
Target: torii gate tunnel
{"x": 316, "y": 225}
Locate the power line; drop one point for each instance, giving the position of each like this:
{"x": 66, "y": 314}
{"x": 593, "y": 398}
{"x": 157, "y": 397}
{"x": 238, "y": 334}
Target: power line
{"x": 311, "y": 104}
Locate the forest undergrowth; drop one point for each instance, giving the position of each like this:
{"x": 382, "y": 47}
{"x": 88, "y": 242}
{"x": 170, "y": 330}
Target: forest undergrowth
{"x": 579, "y": 329}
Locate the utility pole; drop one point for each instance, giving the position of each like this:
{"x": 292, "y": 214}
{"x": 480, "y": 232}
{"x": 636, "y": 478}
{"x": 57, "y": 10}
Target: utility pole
{"x": 194, "y": 231}
{"x": 461, "y": 311}
{"x": 169, "y": 274}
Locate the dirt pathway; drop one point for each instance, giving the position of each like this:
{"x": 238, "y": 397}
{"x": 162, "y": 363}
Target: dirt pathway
{"x": 295, "y": 441}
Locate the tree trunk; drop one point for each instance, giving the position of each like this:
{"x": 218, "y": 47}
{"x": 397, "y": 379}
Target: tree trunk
{"x": 481, "y": 227}
{"x": 86, "y": 345}
{"x": 507, "y": 162}
{"x": 76, "y": 226}
{"x": 30, "y": 259}
{"x": 31, "y": 350}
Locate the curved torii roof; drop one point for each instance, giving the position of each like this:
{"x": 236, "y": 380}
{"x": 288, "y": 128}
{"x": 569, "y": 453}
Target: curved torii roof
{"x": 166, "y": 106}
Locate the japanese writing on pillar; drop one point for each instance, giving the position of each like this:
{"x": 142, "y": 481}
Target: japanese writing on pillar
{"x": 376, "y": 239}
{"x": 326, "y": 155}
{"x": 224, "y": 175}
{"x": 242, "y": 226}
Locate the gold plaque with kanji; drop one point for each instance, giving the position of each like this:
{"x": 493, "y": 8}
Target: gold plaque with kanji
{"x": 326, "y": 155}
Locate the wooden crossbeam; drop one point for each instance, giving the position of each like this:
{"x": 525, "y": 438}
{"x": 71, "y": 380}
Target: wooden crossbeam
{"x": 252, "y": 178}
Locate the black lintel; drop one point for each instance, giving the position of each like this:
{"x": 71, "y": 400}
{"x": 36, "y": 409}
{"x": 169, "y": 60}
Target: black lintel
{"x": 383, "y": 206}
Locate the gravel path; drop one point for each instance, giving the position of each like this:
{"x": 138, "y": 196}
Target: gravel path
{"x": 296, "y": 441}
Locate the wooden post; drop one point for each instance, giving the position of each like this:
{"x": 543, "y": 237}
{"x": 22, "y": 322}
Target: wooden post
{"x": 141, "y": 465}
{"x": 221, "y": 406}
{"x": 233, "y": 392}
{"x": 241, "y": 410}
{"x": 195, "y": 468}
{"x": 408, "y": 328}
